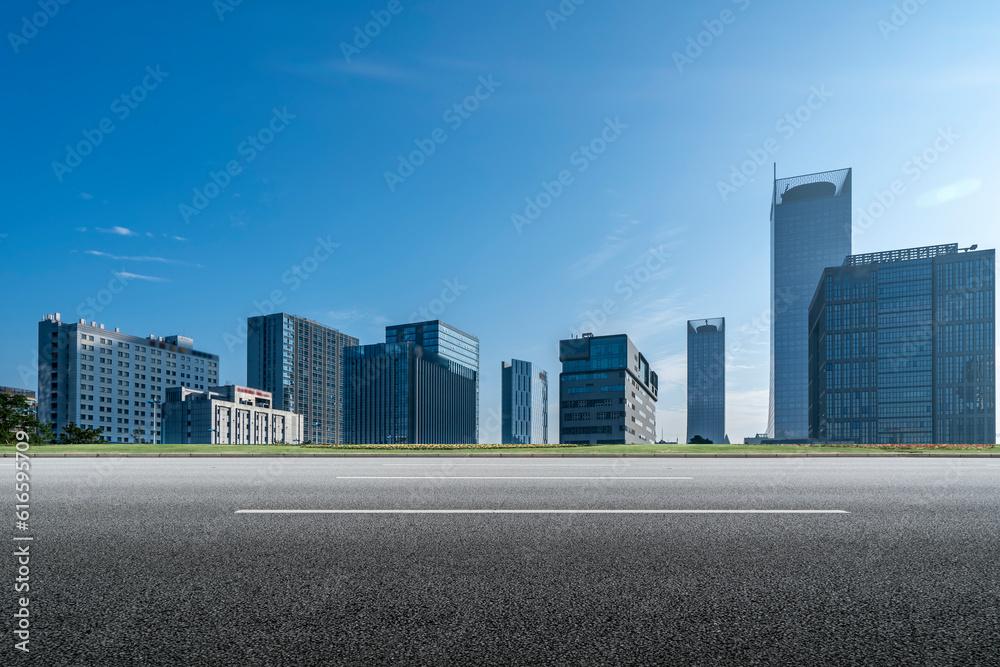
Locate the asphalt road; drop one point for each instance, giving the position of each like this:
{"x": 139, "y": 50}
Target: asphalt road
{"x": 148, "y": 562}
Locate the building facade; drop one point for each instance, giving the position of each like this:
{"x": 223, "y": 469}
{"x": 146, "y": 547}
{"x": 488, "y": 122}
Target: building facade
{"x": 228, "y": 415}
{"x": 706, "y": 379}
{"x": 104, "y": 379}
{"x": 402, "y": 393}
{"x": 810, "y": 230}
{"x": 301, "y": 363}
{"x": 607, "y": 392}
{"x": 902, "y": 348}
{"x": 446, "y": 341}
{"x": 524, "y": 404}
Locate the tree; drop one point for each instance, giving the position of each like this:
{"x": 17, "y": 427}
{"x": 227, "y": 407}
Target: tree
{"x": 15, "y": 415}
{"x": 698, "y": 440}
{"x": 80, "y": 435}
{"x": 45, "y": 434}
{"x": 137, "y": 434}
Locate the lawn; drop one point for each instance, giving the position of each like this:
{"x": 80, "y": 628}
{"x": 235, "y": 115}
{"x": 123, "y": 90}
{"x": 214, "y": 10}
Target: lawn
{"x": 111, "y": 448}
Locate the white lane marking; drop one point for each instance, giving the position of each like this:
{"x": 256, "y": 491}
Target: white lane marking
{"x": 531, "y": 464}
{"x": 516, "y": 478}
{"x": 540, "y": 511}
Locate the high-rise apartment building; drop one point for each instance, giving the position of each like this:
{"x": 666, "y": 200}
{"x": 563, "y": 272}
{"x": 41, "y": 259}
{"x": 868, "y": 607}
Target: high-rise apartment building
{"x": 706, "y": 379}
{"x": 524, "y": 404}
{"x": 104, "y": 379}
{"x": 902, "y": 348}
{"x": 444, "y": 340}
{"x": 301, "y": 363}
{"x": 810, "y": 230}
{"x": 607, "y": 392}
{"x": 402, "y": 393}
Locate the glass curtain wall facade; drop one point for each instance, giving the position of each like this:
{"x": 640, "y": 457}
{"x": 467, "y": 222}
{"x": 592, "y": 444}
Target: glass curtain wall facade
{"x": 301, "y": 362}
{"x": 902, "y": 348}
{"x": 706, "y": 379}
{"x": 524, "y": 404}
{"x": 607, "y": 392}
{"x": 446, "y": 341}
{"x": 401, "y": 393}
{"x": 810, "y": 230}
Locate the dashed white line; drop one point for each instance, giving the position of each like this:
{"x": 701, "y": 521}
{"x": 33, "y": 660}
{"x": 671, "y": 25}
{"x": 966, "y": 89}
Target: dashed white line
{"x": 536, "y": 511}
{"x": 513, "y": 478}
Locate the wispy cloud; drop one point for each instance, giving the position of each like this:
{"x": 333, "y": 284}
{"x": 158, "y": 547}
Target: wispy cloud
{"x": 120, "y": 231}
{"x": 86, "y": 195}
{"x": 125, "y": 275}
{"x": 139, "y": 258}
{"x": 612, "y": 244}
{"x": 950, "y": 193}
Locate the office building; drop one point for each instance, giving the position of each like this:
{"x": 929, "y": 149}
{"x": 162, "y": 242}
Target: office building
{"x": 706, "y": 379}
{"x": 446, "y": 341}
{"x": 810, "y": 230}
{"x": 104, "y": 379}
{"x": 27, "y": 393}
{"x": 607, "y": 392}
{"x": 902, "y": 348}
{"x": 402, "y": 393}
{"x": 301, "y": 363}
{"x": 524, "y": 404}
{"x": 228, "y": 415}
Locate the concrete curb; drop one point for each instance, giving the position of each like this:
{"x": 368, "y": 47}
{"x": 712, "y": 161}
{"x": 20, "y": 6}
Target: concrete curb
{"x": 547, "y": 455}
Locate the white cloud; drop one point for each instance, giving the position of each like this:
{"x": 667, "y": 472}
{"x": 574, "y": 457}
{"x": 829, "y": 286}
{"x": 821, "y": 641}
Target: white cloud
{"x": 86, "y": 195}
{"x": 120, "y": 231}
{"x": 139, "y": 258}
{"x": 125, "y": 275}
{"x": 949, "y": 193}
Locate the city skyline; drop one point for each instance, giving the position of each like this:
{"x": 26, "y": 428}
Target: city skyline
{"x": 682, "y": 180}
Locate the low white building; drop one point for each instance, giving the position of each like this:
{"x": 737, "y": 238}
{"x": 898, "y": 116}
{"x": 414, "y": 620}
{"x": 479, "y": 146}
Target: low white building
{"x": 229, "y": 415}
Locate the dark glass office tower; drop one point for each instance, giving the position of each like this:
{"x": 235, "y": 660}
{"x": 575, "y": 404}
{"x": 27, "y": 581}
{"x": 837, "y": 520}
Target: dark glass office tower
{"x": 706, "y": 373}
{"x": 607, "y": 392}
{"x": 902, "y": 348}
{"x": 301, "y": 362}
{"x": 810, "y": 230}
{"x": 524, "y": 404}
{"x": 402, "y": 393}
{"x": 445, "y": 340}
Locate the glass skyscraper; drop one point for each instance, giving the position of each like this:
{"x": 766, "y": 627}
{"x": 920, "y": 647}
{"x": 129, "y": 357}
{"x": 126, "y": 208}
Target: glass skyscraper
{"x": 810, "y": 230}
{"x": 444, "y": 340}
{"x": 706, "y": 379}
{"x": 524, "y": 404}
{"x": 301, "y": 362}
{"x": 402, "y": 393}
{"x": 607, "y": 392}
{"x": 902, "y": 348}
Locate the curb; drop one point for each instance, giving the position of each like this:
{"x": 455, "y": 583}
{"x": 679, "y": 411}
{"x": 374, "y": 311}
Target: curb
{"x": 332, "y": 455}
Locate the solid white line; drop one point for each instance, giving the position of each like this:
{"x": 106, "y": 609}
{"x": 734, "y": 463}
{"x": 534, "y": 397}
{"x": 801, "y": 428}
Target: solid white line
{"x": 531, "y": 464}
{"x": 535, "y": 477}
{"x": 540, "y": 511}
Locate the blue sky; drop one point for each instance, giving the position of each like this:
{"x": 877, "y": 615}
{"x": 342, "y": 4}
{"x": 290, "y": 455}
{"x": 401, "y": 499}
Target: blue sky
{"x": 279, "y": 140}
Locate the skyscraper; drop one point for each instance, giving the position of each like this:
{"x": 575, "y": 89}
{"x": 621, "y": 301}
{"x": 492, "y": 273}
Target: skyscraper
{"x": 301, "y": 362}
{"x": 524, "y": 404}
{"x": 706, "y": 379}
{"x": 444, "y": 340}
{"x": 607, "y": 392}
{"x": 810, "y": 230}
{"x": 902, "y": 348}
{"x": 104, "y": 379}
{"x": 402, "y": 393}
